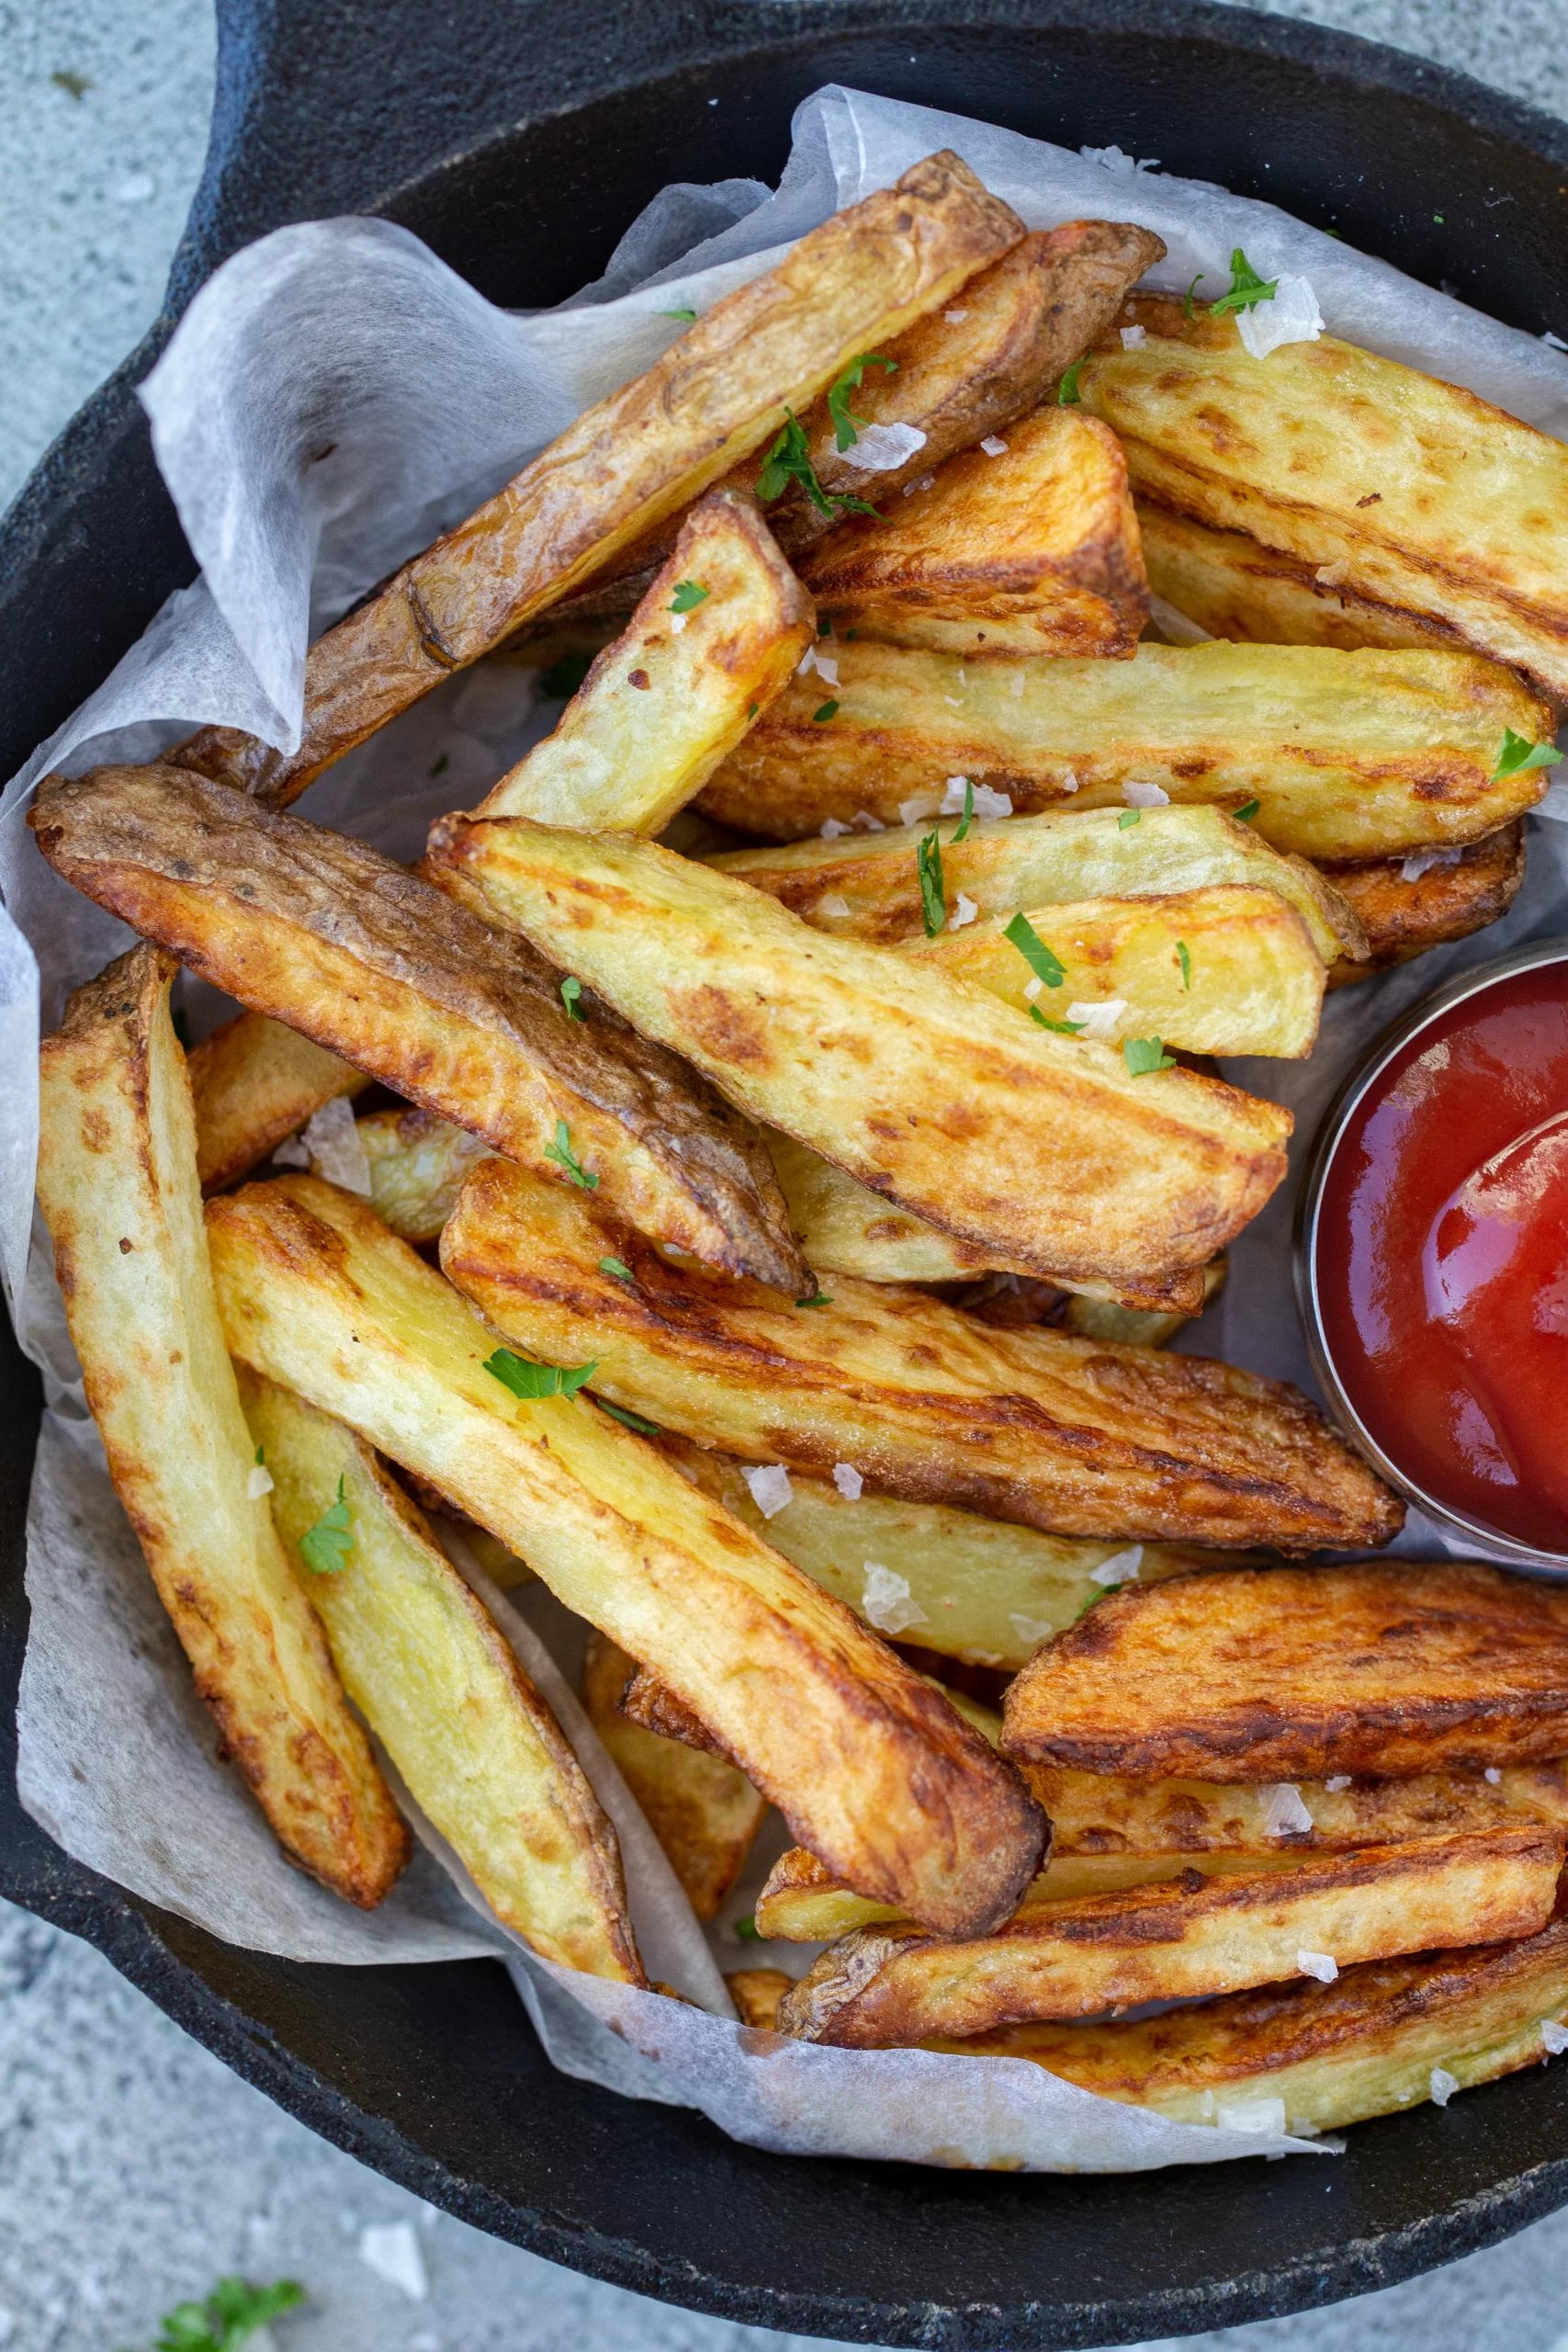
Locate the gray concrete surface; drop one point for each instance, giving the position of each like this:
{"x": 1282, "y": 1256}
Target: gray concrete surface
{"x": 133, "y": 2169}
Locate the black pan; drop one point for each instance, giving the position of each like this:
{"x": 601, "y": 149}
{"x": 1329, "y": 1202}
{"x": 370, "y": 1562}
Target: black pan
{"x": 519, "y": 139}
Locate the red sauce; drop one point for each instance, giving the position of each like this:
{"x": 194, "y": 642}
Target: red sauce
{"x": 1442, "y": 1258}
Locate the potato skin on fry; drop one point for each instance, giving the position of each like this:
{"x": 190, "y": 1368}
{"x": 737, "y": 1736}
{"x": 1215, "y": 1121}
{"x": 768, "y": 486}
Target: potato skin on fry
{"x": 1043, "y": 1149}
{"x": 869, "y": 1764}
{"x": 1270, "y": 1674}
{"x": 1403, "y": 915}
{"x": 372, "y": 962}
{"x": 625, "y": 463}
{"x": 252, "y": 1083}
{"x": 892, "y": 1985}
{"x": 117, "y": 1182}
{"x": 1063, "y": 1434}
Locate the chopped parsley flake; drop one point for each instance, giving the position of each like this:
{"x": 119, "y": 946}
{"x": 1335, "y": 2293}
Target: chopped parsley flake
{"x": 570, "y": 991}
{"x": 1021, "y": 933}
{"x": 823, "y": 713}
{"x": 1245, "y": 813}
{"x": 231, "y": 2313}
{"x": 818, "y": 1298}
{"x": 1518, "y": 754}
{"x": 1184, "y": 958}
{"x": 748, "y": 1930}
{"x": 1067, "y": 392}
{"x": 789, "y": 461}
{"x": 933, "y": 895}
{"x": 1127, "y": 820}
{"x": 968, "y": 817}
{"x": 561, "y": 1152}
{"x": 688, "y": 595}
{"x": 75, "y": 86}
{"x": 1246, "y": 289}
{"x": 687, "y": 315}
{"x": 1187, "y": 311}
{"x": 1143, "y": 1056}
{"x": 628, "y": 1419}
{"x": 1058, "y": 1028}
{"x": 619, "y": 1267}
{"x": 325, "y": 1547}
{"x": 525, "y": 1379}
{"x": 846, "y": 424}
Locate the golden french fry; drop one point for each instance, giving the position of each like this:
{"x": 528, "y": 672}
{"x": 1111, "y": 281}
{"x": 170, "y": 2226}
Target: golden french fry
{"x": 714, "y": 640}
{"x": 1179, "y": 1941}
{"x": 1030, "y": 546}
{"x": 1404, "y": 914}
{"x": 477, "y": 1747}
{"x": 868, "y": 1764}
{"x": 1138, "y": 1326}
{"x": 1305, "y": 2057}
{"x": 1047, "y": 1151}
{"x": 1267, "y": 1674}
{"x": 373, "y": 964}
{"x": 117, "y": 1182}
{"x": 1406, "y": 492}
{"x": 1054, "y": 1432}
{"x": 702, "y": 1810}
{"x": 252, "y": 1083}
{"x": 720, "y": 390}
{"x": 1346, "y": 755}
{"x": 1226, "y": 970}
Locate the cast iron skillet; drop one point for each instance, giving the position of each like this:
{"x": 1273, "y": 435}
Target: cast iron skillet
{"x": 520, "y": 137}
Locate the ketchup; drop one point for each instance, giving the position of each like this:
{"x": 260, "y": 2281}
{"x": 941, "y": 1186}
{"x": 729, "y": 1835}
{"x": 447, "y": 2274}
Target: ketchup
{"x": 1442, "y": 1258}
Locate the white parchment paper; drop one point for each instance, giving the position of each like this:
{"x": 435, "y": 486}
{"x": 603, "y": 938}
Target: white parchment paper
{"x": 333, "y": 397}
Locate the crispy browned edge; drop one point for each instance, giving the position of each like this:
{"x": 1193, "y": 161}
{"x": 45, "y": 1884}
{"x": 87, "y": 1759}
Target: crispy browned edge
{"x": 1403, "y": 918}
{"x": 1293, "y": 1674}
{"x": 569, "y": 511}
{"x": 206, "y": 872}
{"x": 1026, "y": 318}
{"x": 853, "y": 1996}
{"x": 651, "y": 1704}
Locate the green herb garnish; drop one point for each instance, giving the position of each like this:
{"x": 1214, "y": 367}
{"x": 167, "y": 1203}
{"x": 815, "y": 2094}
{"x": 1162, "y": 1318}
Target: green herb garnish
{"x": 1246, "y": 289}
{"x": 561, "y": 1152}
{"x": 1127, "y": 820}
{"x": 789, "y": 461}
{"x": 1093, "y": 1601}
{"x": 75, "y": 86}
{"x": 933, "y": 895}
{"x": 1067, "y": 393}
{"x": 818, "y": 1298}
{"x": 1245, "y": 813}
{"x": 688, "y": 595}
{"x": 748, "y": 1930}
{"x": 823, "y": 713}
{"x": 325, "y": 1547}
{"x": 1185, "y": 960}
{"x": 231, "y": 2313}
{"x": 561, "y": 679}
{"x": 1518, "y": 754}
{"x": 619, "y": 1267}
{"x": 526, "y": 1379}
{"x": 1021, "y": 933}
{"x": 847, "y": 426}
{"x": 968, "y": 817}
{"x": 628, "y": 1420}
{"x": 1058, "y": 1028}
{"x": 571, "y": 994}
{"x": 1186, "y": 309}
{"x": 1143, "y": 1056}
{"x": 687, "y": 315}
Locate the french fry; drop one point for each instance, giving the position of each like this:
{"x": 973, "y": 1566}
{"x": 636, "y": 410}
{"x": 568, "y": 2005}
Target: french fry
{"x": 1052, "y": 1432}
{"x": 477, "y": 1747}
{"x": 1226, "y": 970}
{"x": 1045, "y": 1151}
{"x": 703, "y": 1813}
{"x": 117, "y": 1182}
{"x": 959, "y": 376}
{"x": 716, "y": 639}
{"x": 1346, "y": 755}
{"x": 1198, "y": 1936}
{"x": 373, "y": 964}
{"x": 1003, "y": 864}
{"x": 1403, "y": 913}
{"x": 867, "y": 1763}
{"x": 756, "y": 1993}
{"x": 1138, "y": 1326}
{"x": 1305, "y": 2057}
{"x": 252, "y": 1083}
{"x": 984, "y": 1590}
{"x": 1407, "y": 491}
{"x": 1029, "y": 548}
{"x": 1272, "y": 1674}
{"x": 720, "y": 390}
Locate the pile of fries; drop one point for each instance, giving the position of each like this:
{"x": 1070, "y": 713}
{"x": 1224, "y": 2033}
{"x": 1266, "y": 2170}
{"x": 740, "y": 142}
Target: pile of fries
{"x": 747, "y": 1174}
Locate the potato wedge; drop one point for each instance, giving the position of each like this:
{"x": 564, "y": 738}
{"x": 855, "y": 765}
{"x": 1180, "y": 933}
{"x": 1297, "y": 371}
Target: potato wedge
{"x": 1226, "y": 970}
{"x": 984, "y": 1590}
{"x": 1044, "y": 1149}
{"x": 1272, "y": 1674}
{"x": 1135, "y": 1326}
{"x": 867, "y": 1763}
{"x": 1404, "y": 914}
{"x": 1003, "y": 864}
{"x": 703, "y": 1813}
{"x": 1030, "y": 546}
{"x": 756, "y": 1993}
{"x": 720, "y": 390}
{"x": 478, "y": 1748}
{"x": 372, "y": 962}
{"x": 252, "y": 1083}
{"x": 1234, "y": 586}
{"x": 1409, "y": 492}
{"x": 1305, "y": 2057}
{"x": 417, "y": 1166}
{"x": 1179, "y": 1941}
{"x": 1052, "y": 1432}
{"x": 960, "y": 375}
{"x": 118, "y": 1183}
{"x": 1347, "y": 756}
{"x": 716, "y": 639}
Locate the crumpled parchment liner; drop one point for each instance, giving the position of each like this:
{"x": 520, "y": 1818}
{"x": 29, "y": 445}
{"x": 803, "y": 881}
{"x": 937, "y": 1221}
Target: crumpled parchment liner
{"x": 333, "y": 397}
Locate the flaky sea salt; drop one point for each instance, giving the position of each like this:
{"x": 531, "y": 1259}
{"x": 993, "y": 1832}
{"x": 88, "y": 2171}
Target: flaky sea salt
{"x": 965, "y": 911}
{"x": 848, "y": 1480}
{"x": 885, "y": 1600}
{"x": 678, "y": 622}
{"x": 1421, "y": 861}
{"x": 990, "y": 802}
{"x": 956, "y": 319}
{"x": 259, "y": 1482}
{"x": 1033, "y": 987}
{"x": 771, "y": 1489}
{"x": 863, "y": 821}
{"x": 833, "y": 907}
{"x": 1032, "y": 1630}
{"x": 336, "y": 1148}
{"x": 1121, "y": 1567}
{"x": 1491, "y": 1773}
{"x": 833, "y": 828}
{"x": 994, "y": 445}
{"x": 291, "y": 1153}
{"x": 1555, "y": 2037}
{"x": 392, "y": 2250}
{"x": 1338, "y": 1782}
{"x": 921, "y": 804}
{"x": 883, "y": 448}
{"x": 1098, "y": 1020}
{"x": 1134, "y": 338}
{"x": 1284, "y": 1813}
{"x": 1291, "y": 317}
{"x": 1144, "y": 796}
{"x": 1318, "y": 1964}
{"x": 1115, "y": 159}
{"x": 1442, "y": 2086}
{"x": 825, "y": 664}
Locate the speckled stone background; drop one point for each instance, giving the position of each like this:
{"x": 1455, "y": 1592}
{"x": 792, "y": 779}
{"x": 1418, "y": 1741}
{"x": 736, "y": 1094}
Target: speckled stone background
{"x": 133, "y": 2169}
